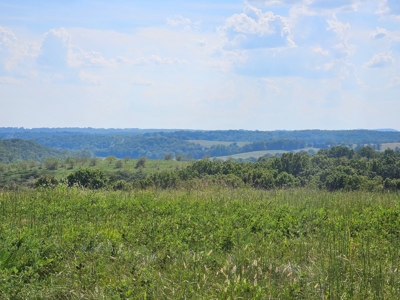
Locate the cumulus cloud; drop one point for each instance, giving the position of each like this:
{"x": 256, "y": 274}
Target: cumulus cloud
{"x": 320, "y": 50}
{"x": 140, "y": 81}
{"x": 7, "y": 38}
{"x": 379, "y": 33}
{"x": 254, "y": 29}
{"x": 55, "y": 48}
{"x": 200, "y": 42}
{"x": 268, "y": 85}
{"x": 89, "y": 78}
{"x": 342, "y": 48}
{"x": 79, "y": 58}
{"x": 151, "y": 60}
{"x": 178, "y": 20}
{"x": 394, "y": 82}
{"x": 315, "y": 6}
{"x": 58, "y": 52}
{"x": 8, "y": 47}
{"x": 380, "y": 60}
{"x": 9, "y": 80}
{"x": 389, "y": 7}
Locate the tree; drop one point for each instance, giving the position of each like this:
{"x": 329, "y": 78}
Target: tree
{"x": 119, "y": 164}
{"x": 93, "y": 162}
{"x": 168, "y": 156}
{"x": 46, "y": 181}
{"x": 110, "y": 159}
{"x": 51, "y": 164}
{"x": 141, "y": 162}
{"x": 88, "y": 178}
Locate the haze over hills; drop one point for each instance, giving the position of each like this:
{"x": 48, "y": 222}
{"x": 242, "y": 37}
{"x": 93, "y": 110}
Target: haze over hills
{"x": 192, "y": 144}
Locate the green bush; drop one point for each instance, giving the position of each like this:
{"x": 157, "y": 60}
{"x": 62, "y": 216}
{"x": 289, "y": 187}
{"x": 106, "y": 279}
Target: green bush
{"x": 46, "y": 181}
{"x": 88, "y": 178}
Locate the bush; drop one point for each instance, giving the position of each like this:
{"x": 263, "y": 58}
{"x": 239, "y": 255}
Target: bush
{"x": 141, "y": 162}
{"x": 168, "y": 156}
{"x": 46, "y": 181}
{"x": 51, "y": 164}
{"x": 88, "y": 178}
{"x": 119, "y": 164}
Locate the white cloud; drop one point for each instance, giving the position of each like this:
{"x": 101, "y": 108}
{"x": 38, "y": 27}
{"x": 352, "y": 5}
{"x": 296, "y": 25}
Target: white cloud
{"x": 151, "y": 60}
{"x": 268, "y": 85}
{"x": 178, "y": 20}
{"x": 380, "y": 60}
{"x": 389, "y": 7}
{"x": 7, "y": 37}
{"x": 394, "y": 82}
{"x": 9, "y": 80}
{"x": 379, "y": 33}
{"x": 58, "y": 52}
{"x": 142, "y": 82}
{"x": 319, "y": 49}
{"x": 200, "y": 42}
{"x": 89, "y": 78}
{"x": 314, "y": 6}
{"x": 343, "y": 48}
{"x": 55, "y": 48}
{"x": 254, "y": 29}
{"x": 78, "y": 58}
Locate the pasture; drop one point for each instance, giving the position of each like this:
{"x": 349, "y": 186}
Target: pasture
{"x": 206, "y": 243}
{"x": 258, "y": 154}
{"x": 209, "y": 144}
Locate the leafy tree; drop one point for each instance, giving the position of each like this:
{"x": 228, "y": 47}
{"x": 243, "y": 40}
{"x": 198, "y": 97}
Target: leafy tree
{"x": 46, "y": 181}
{"x": 52, "y": 164}
{"x": 141, "y": 162}
{"x": 88, "y": 178}
{"x": 119, "y": 164}
{"x": 93, "y": 162}
{"x": 168, "y": 156}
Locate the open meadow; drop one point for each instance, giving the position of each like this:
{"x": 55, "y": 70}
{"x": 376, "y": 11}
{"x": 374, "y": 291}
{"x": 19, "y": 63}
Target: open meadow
{"x": 199, "y": 243}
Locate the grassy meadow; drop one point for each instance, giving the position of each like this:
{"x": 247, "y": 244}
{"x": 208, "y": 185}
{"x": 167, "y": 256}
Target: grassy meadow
{"x": 205, "y": 243}
{"x": 24, "y": 174}
{"x": 209, "y": 144}
{"x": 258, "y": 154}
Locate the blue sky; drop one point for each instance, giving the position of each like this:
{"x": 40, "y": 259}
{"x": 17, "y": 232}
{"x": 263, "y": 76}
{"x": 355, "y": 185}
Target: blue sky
{"x": 254, "y": 64}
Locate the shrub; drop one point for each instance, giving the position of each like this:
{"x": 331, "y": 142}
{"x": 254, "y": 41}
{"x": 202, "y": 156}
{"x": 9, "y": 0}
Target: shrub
{"x": 119, "y": 164}
{"x": 46, "y": 181}
{"x": 141, "y": 162}
{"x": 88, "y": 178}
{"x": 51, "y": 164}
{"x": 168, "y": 156}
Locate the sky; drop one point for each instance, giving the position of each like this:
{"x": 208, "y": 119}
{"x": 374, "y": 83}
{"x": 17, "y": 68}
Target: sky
{"x": 209, "y": 64}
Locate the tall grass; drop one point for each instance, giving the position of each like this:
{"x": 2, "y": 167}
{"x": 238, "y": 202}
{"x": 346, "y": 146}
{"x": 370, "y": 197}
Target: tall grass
{"x": 212, "y": 243}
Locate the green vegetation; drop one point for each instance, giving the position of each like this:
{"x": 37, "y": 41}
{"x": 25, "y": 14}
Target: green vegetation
{"x": 294, "y": 226}
{"x": 192, "y": 144}
{"x": 254, "y": 155}
{"x": 207, "y": 243}
{"x": 24, "y": 174}
{"x": 209, "y": 144}
{"x": 16, "y": 149}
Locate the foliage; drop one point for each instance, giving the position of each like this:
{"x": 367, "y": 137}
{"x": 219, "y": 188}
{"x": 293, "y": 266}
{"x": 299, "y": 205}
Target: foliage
{"x": 88, "y": 178}
{"x": 46, "y": 181}
{"x": 212, "y": 243}
{"x": 141, "y": 163}
{"x": 136, "y": 143}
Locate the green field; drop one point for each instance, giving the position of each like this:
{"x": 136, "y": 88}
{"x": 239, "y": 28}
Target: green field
{"x": 257, "y": 154}
{"x": 23, "y": 174}
{"x": 392, "y": 146}
{"x": 209, "y": 243}
{"x": 209, "y": 144}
